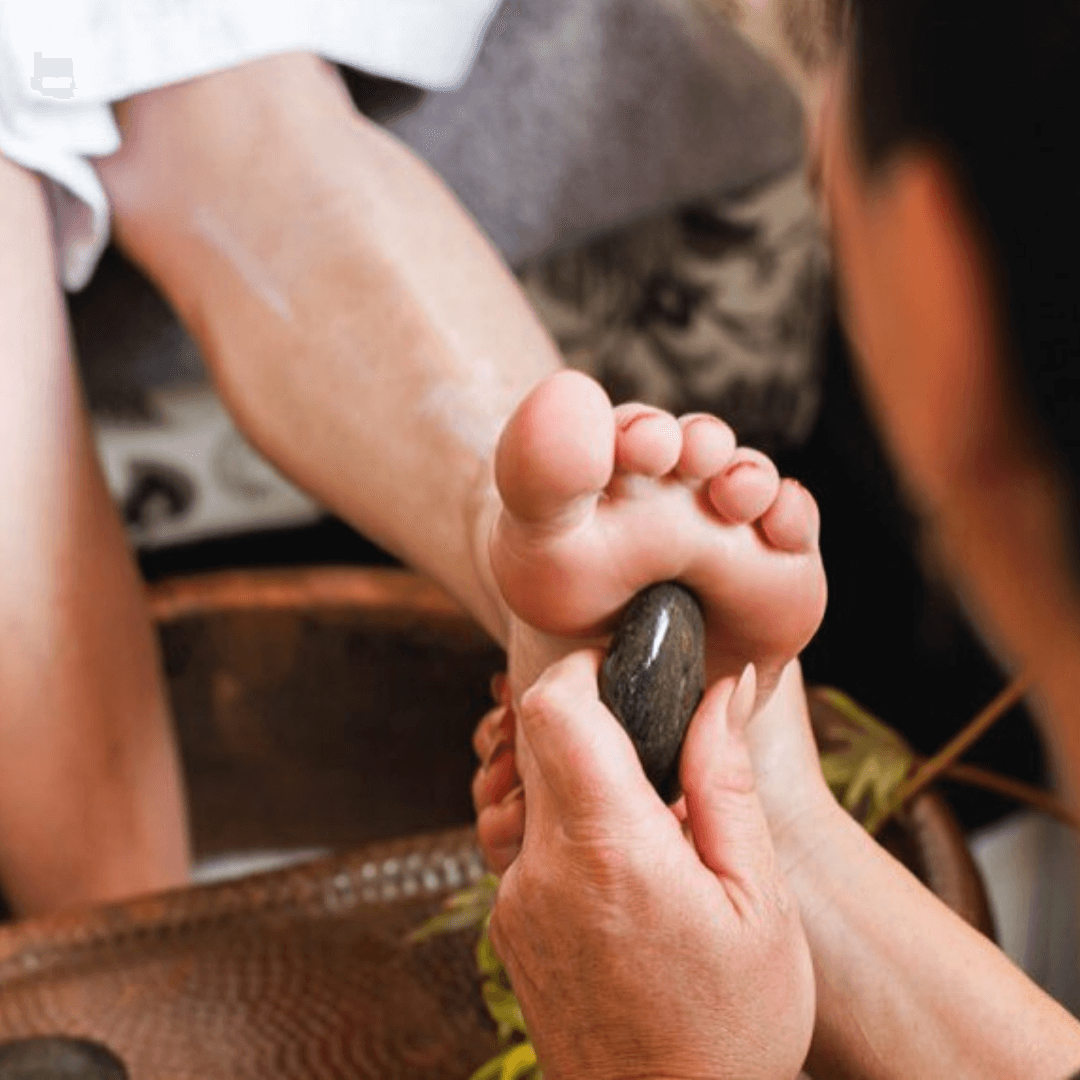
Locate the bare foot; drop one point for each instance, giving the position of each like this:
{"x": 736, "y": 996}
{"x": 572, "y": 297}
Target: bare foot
{"x": 600, "y": 502}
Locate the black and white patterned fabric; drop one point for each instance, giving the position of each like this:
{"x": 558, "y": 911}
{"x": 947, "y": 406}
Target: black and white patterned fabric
{"x": 716, "y": 307}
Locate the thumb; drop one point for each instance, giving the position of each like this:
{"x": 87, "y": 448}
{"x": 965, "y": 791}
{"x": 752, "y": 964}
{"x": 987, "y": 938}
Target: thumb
{"x": 722, "y": 807}
{"x": 574, "y": 755}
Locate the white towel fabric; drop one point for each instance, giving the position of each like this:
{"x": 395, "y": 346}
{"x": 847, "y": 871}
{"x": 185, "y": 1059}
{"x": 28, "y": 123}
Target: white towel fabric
{"x": 63, "y": 61}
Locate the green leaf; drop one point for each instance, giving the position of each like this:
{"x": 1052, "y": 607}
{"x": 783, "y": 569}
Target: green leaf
{"x": 490, "y": 1070}
{"x": 464, "y": 909}
{"x": 487, "y": 959}
{"x": 449, "y": 923}
{"x": 864, "y": 761}
{"x": 502, "y": 1005}
{"x": 482, "y": 894}
{"x": 518, "y": 1062}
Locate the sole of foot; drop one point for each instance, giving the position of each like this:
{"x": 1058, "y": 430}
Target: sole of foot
{"x": 601, "y": 501}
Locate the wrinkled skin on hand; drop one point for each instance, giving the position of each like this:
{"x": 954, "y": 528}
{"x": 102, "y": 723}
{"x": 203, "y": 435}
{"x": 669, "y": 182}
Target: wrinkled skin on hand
{"x": 642, "y": 940}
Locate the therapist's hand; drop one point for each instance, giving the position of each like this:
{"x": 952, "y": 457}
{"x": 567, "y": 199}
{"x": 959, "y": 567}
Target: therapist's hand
{"x": 645, "y": 942}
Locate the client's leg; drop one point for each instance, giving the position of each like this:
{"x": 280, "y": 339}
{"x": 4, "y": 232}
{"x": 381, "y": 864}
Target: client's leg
{"x": 91, "y": 806}
{"x": 360, "y": 328}
{"x": 371, "y": 343}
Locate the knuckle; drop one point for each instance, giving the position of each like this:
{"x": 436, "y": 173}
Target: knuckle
{"x": 535, "y": 706}
{"x": 546, "y": 699}
{"x": 608, "y": 865}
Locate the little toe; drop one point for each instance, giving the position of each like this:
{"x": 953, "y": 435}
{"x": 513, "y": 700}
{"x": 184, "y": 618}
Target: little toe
{"x": 793, "y": 522}
{"x": 708, "y": 446}
{"x": 557, "y": 447}
{"x": 647, "y": 440}
{"x": 746, "y": 488}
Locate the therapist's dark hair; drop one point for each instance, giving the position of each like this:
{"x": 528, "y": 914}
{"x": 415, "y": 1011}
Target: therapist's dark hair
{"x": 994, "y": 88}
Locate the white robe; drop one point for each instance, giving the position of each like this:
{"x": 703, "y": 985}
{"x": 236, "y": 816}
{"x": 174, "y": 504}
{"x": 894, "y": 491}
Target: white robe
{"x": 63, "y": 61}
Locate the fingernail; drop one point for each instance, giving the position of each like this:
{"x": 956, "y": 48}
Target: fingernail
{"x": 743, "y": 696}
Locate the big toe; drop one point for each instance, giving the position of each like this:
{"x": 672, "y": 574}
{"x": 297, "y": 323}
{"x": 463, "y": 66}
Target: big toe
{"x": 557, "y": 447}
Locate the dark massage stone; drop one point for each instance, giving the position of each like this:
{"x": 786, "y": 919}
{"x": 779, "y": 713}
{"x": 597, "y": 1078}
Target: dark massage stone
{"x": 653, "y": 677}
{"x": 58, "y": 1058}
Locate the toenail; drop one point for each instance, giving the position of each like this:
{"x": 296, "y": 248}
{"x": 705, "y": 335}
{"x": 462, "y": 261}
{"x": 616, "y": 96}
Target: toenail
{"x": 693, "y": 421}
{"x": 626, "y": 425}
{"x": 731, "y": 470}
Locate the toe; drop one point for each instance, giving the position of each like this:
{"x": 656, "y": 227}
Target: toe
{"x": 647, "y": 440}
{"x": 708, "y": 445}
{"x": 746, "y": 488}
{"x": 557, "y": 447}
{"x": 792, "y": 523}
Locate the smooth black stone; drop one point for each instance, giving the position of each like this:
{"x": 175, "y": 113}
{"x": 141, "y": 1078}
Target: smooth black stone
{"x": 653, "y": 677}
{"x": 58, "y": 1058}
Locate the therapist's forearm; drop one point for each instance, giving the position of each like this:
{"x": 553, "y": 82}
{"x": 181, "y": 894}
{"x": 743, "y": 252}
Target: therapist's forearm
{"x": 905, "y": 988}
